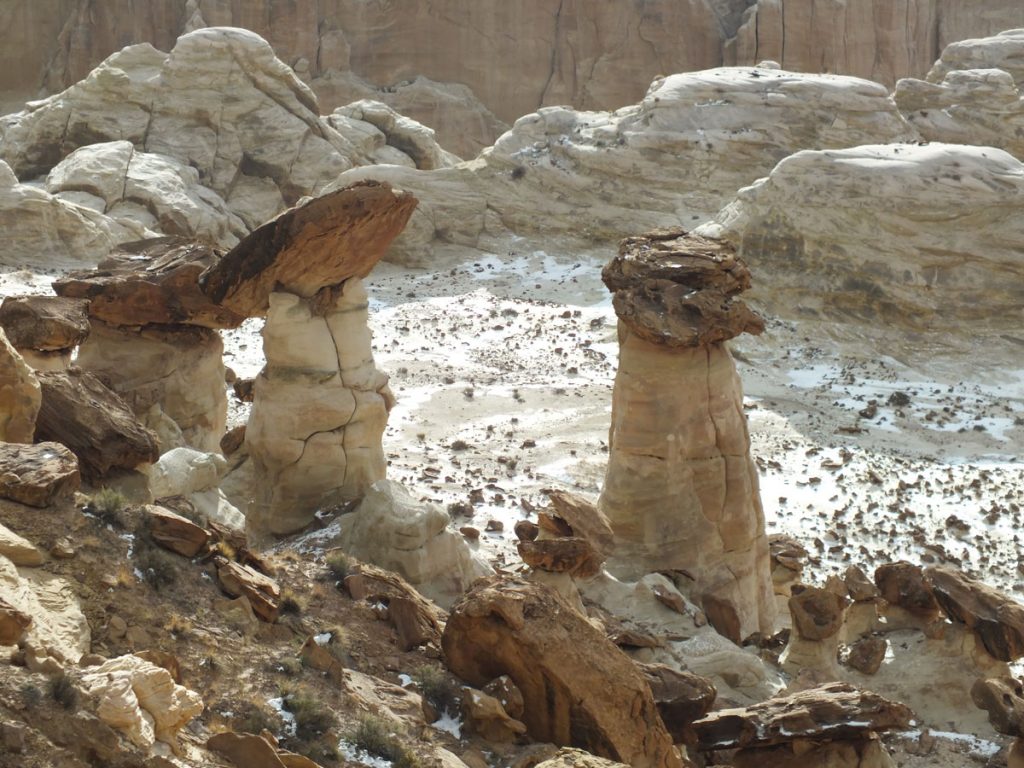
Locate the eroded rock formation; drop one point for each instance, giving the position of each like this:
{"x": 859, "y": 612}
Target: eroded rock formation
{"x": 681, "y": 490}
{"x": 20, "y": 396}
{"x": 320, "y": 404}
{"x": 578, "y": 689}
{"x": 45, "y": 329}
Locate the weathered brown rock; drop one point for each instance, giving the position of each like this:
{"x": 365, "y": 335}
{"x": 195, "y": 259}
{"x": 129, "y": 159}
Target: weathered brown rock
{"x": 79, "y": 411}
{"x": 788, "y": 557}
{"x": 903, "y": 584}
{"x": 416, "y": 619}
{"x": 584, "y": 519}
{"x": 19, "y": 395}
{"x": 575, "y": 758}
{"x": 675, "y": 288}
{"x": 996, "y": 618}
{"x": 832, "y": 711}
{"x": 245, "y": 750}
{"x": 682, "y": 697}
{"x": 857, "y": 753}
{"x": 13, "y": 623}
{"x": 324, "y": 242}
{"x": 151, "y": 282}
{"x": 817, "y": 613}
{"x": 487, "y": 718}
{"x": 1003, "y": 699}
{"x": 44, "y": 323}
{"x": 858, "y": 584}
{"x": 505, "y": 691}
{"x": 174, "y": 532}
{"x": 571, "y": 555}
{"x": 243, "y": 581}
{"x": 867, "y": 654}
{"x": 37, "y": 475}
{"x": 526, "y": 530}
{"x": 232, "y": 440}
{"x": 577, "y": 687}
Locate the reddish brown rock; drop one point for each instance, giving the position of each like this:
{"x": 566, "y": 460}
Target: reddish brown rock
{"x": 997, "y": 619}
{"x": 505, "y": 691}
{"x": 1003, "y": 699}
{"x": 44, "y": 323}
{"x": 328, "y": 240}
{"x": 151, "y": 282}
{"x": 836, "y": 711}
{"x": 817, "y": 613}
{"x": 903, "y": 584}
{"x": 682, "y": 698}
{"x": 174, "y": 532}
{"x": 583, "y": 519}
{"x": 232, "y": 440}
{"x": 526, "y": 531}
{"x": 574, "y": 556}
{"x": 37, "y": 475}
{"x": 245, "y": 750}
{"x": 578, "y": 688}
{"x": 859, "y": 585}
{"x": 79, "y": 411}
{"x": 867, "y": 654}
{"x": 262, "y": 592}
{"x": 417, "y": 620}
{"x": 486, "y": 717}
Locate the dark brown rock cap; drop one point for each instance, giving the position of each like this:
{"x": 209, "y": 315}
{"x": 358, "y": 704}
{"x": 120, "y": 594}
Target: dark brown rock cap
{"x": 151, "y": 282}
{"x": 678, "y": 289}
{"x": 995, "y": 618}
{"x": 321, "y": 243}
{"x": 835, "y": 711}
{"x": 44, "y": 323}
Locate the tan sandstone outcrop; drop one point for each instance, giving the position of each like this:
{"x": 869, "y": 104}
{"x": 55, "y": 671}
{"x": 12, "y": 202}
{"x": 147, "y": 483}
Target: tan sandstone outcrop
{"x": 20, "y": 396}
{"x": 972, "y": 95}
{"x": 141, "y": 699}
{"x": 578, "y": 689}
{"x": 681, "y": 490}
{"x": 843, "y": 235}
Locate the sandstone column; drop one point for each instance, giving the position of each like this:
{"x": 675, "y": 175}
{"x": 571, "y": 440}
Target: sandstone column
{"x": 320, "y": 405}
{"x": 681, "y": 490}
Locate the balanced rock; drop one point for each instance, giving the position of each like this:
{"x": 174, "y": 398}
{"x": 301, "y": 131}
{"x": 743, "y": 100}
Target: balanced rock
{"x": 574, "y": 556}
{"x": 788, "y": 559}
{"x": 996, "y": 618}
{"x": 583, "y": 519}
{"x": 37, "y": 475}
{"x": 836, "y": 711}
{"x": 45, "y": 329}
{"x": 20, "y": 396}
{"x": 681, "y": 489}
{"x": 903, "y": 584}
{"x": 97, "y": 425}
{"x": 578, "y": 688}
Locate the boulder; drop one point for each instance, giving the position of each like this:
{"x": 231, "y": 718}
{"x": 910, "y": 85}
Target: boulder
{"x": 20, "y": 396}
{"x": 858, "y": 585}
{"x": 44, "y": 323}
{"x": 417, "y": 620}
{"x": 37, "y": 475}
{"x": 174, "y": 532}
{"x": 245, "y": 750}
{"x": 578, "y": 688}
{"x": 682, "y": 697}
{"x": 1003, "y": 699}
{"x": 487, "y": 718}
{"x": 903, "y": 584}
{"x": 817, "y": 613}
{"x": 508, "y": 695}
{"x": 390, "y": 529}
{"x": 260, "y": 590}
{"x": 150, "y": 282}
{"x": 867, "y": 654}
{"x": 996, "y": 619}
{"x": 583, "y": 519}
{"x": 18, "y": 550}
{"x": 681, "y": 488}
{"x": 141, "y": 699}
{"x": 330, "y": 239}
{"x": 836, "y": 711}
{"x": 97, "y": 425}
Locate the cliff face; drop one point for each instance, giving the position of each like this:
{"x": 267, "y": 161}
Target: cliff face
{"x": 514, "y": 56}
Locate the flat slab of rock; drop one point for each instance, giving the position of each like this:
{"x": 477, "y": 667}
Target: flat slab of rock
{"x": 997, "y": 619}
{"x": 340, "y": 235}
{"x": 578, "y": 688}
{"x": 81, "y": 412}
{"x": 677, "y": 289}
{"x": 836, "y": 711}
{"x": 174, "y": 532}
{"x": 18, "y": 550}
{"x": 242, "y": 581}
{"x": 151, "y": 282}
{"x": 37, "y": 475}
{"x": 44, "y": 323}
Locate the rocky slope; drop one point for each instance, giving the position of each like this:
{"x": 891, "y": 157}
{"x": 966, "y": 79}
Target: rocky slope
{"x": 589, "y": 55}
